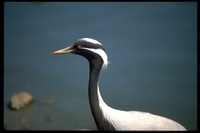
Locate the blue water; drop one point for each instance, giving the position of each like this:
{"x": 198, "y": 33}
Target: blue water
{"x": 152, "y": 48}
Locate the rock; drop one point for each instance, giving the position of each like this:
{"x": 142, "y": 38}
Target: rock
{"x": 25, "y": 124}
{"x": 47, "y": 100}
{"x": 24, "y": 120}
{"x": 20, "y": 100}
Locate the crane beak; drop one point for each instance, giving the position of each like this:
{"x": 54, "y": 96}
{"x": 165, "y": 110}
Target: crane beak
{"x": 64, "y": 51}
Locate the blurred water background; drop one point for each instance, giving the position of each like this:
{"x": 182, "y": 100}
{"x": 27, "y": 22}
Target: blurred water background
{"x": 152, "y": 47}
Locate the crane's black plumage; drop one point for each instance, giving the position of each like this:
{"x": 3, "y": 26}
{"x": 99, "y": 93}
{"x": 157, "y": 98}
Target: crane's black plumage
{"x": 107, "y": 118}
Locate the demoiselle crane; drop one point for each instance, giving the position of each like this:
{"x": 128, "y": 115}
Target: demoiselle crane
{"x": 107, "y": 118}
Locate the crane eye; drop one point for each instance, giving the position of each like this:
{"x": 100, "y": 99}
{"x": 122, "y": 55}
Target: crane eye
{"x": 78, "y": 47}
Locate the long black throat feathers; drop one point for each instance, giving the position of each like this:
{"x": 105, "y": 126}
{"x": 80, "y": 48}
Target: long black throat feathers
{"x": 95, "y": 68}
{"x": 94, "y": 96}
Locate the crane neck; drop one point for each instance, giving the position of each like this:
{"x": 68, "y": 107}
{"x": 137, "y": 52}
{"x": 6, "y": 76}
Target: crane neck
{"x": 97, "y": 104}
{"x": 95, "y": 68}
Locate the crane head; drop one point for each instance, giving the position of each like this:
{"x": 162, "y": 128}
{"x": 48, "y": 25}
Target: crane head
{"x": 88, "y": 48}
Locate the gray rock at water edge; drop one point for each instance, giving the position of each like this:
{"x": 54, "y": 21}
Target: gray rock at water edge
{"x": 20, "y": 100}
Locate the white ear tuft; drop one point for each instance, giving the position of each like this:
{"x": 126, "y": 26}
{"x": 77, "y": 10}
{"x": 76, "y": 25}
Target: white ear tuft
{"x": 102, "y": 54}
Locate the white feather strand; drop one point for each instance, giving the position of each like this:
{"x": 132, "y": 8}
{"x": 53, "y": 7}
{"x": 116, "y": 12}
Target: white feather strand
{"x": 102, "y": 54}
